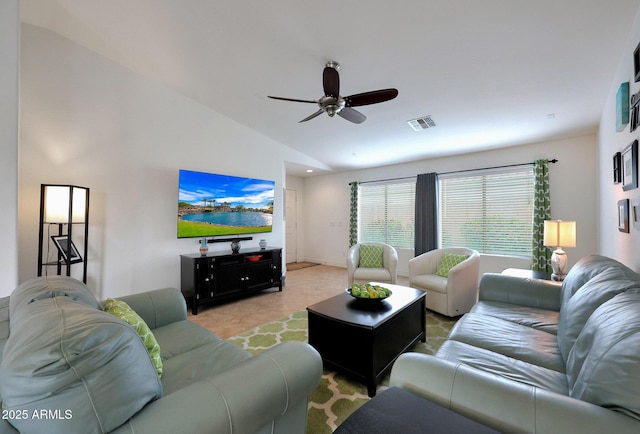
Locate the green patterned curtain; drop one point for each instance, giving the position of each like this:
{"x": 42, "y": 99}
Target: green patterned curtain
{"x": 353, "y": 215}
{"x": 541, "y": 255}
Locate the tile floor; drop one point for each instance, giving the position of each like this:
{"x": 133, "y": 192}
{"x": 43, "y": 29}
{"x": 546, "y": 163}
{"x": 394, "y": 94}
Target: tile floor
{"x": 303, "y": 287}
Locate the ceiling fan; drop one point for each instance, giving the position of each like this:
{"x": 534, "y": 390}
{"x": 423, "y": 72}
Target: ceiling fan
{"x": 332, "y": 103}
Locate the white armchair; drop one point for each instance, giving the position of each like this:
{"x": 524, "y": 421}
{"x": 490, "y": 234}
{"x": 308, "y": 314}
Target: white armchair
{"x": 385, "y": 274}
{"x": 453, "y": 295}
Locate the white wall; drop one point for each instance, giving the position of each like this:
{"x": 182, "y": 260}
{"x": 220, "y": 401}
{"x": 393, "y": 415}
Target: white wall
{"x": 621, "y": 246}
{"x": 9, "y": 97}
{"x": 87, "y": 121}
{"x": 573, "y": 197}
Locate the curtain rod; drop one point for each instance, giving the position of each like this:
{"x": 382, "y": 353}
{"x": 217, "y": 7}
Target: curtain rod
{"x": 385, "y": 180}
{"x": 553, "y": 160}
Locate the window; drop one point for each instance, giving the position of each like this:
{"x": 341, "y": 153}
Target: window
{"x": 489, "y": 211}
{"x": 386, "y": 213}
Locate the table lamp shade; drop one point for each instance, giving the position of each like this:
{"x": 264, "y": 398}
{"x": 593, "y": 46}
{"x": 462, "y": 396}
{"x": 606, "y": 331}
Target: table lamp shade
{"x": 559, "y": 233}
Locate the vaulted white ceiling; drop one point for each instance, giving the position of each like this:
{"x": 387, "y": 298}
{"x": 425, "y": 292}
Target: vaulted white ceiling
{"x": 491, "y": 73}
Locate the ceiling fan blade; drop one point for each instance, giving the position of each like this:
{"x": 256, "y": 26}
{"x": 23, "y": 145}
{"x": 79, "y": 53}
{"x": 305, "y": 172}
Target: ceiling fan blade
{"x": 331, "y": 82}
{"x": 372, "y": 97}
{"x": 316, "y": 114}
{"x": 292, "y": 99}
{"x": 352, "y": 115}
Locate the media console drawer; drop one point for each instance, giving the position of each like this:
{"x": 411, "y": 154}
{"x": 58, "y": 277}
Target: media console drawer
{"x": 219, "y": 275}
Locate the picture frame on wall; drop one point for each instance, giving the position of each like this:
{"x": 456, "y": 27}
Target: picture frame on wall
{"x": 634, "y": 112}
{"x": 65, "y": 245}
{"x": 636, "y": 63}
{"x": 622, "y": 106}
{"x": 629, "y": 166}
{"x": 617, "y": 170}
{"x": 623, "y": 215}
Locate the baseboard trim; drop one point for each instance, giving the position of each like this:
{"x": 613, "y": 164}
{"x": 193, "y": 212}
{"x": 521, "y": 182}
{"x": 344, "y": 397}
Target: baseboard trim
{"x": 329, "y": 263}
{"x": 342, "y": 265}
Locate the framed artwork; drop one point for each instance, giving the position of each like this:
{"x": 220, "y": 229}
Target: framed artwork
{"x": 65, "y": 245}
{"x": 622, "y": 107}
{"x": 623, "y": 215}
{"x": 636, "y": 63}
{"x": 617, "y": 170}
{"x": 634, "y": 114}
{"x": 629, "y": 166}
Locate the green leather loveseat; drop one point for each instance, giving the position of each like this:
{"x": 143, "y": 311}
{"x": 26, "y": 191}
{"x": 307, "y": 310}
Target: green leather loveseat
{"x": 536, "y": 357}
{"x": 69, "y": 367}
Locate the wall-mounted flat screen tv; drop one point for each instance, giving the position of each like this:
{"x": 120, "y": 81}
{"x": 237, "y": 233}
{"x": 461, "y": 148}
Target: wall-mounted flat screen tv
{"x": 212, "y": 204}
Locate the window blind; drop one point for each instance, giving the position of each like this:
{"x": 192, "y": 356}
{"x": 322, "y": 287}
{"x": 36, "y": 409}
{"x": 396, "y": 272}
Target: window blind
{"x": 386, "y": 213}
{"x": 489, "y": 211}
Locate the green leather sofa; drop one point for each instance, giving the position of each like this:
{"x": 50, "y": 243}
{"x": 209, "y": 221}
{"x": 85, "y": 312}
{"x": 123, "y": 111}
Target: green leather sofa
{"x": 533, "y": 356}
{"x": 69, "y": 367}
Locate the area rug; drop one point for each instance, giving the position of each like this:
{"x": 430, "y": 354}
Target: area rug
{"x": 337, "y": 396}
{"x": 292, "y": 266}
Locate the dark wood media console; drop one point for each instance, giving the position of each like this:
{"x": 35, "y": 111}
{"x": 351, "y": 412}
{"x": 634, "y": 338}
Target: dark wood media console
{"x": 221, "y": 275}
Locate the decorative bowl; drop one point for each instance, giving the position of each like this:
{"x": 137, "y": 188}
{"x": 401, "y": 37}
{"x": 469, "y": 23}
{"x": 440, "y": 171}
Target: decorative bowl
{"x": 254, "y": 258}
{"x": 355, "y": 290}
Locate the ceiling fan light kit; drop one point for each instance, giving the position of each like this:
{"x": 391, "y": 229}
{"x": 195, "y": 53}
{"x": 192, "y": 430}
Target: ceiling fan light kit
{"x": 334, "y": 104}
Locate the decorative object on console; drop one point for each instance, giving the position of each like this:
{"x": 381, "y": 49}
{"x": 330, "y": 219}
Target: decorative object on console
{"x": 623, "y": 215}
{"x": 622, "y": 107}
{"x": 263, "y": 244}
{"x": 559, "y": 234}
{"x": 64, "y": 206}
{"x": 235, "y": 246}
{"x": 629, "y": 166}
{"x": 204, "y": 247}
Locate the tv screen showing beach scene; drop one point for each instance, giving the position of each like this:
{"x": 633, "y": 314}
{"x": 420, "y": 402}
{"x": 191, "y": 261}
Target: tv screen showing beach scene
{"x": 212, "y": 204}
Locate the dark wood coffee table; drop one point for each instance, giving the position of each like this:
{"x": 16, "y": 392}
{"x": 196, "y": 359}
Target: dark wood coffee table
{"x": 363, "y": 338}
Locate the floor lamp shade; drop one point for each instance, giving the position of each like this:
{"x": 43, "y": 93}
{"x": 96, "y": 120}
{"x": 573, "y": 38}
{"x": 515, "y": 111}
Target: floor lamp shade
{"x": 559, "y": 234}
{"x": 57, "y": 204}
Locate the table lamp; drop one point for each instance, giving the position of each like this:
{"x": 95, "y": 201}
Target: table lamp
{"x": 558, "y": 234}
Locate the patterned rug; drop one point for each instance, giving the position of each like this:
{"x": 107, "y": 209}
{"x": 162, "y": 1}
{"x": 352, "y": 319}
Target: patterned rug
{"x": 337, "y": 396}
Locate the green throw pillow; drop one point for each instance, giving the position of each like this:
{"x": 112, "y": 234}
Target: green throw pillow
{"x": 370, "y": 256}
{"x": 122, "y": 310}
{"x": 447, "y": 262}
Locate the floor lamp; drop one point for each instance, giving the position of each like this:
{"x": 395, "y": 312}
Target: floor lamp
{"x": 63, "y": 207}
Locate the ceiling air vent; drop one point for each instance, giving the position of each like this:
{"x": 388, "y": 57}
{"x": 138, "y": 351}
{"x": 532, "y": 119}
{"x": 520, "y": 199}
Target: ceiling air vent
{"x": 422, "y": 123}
